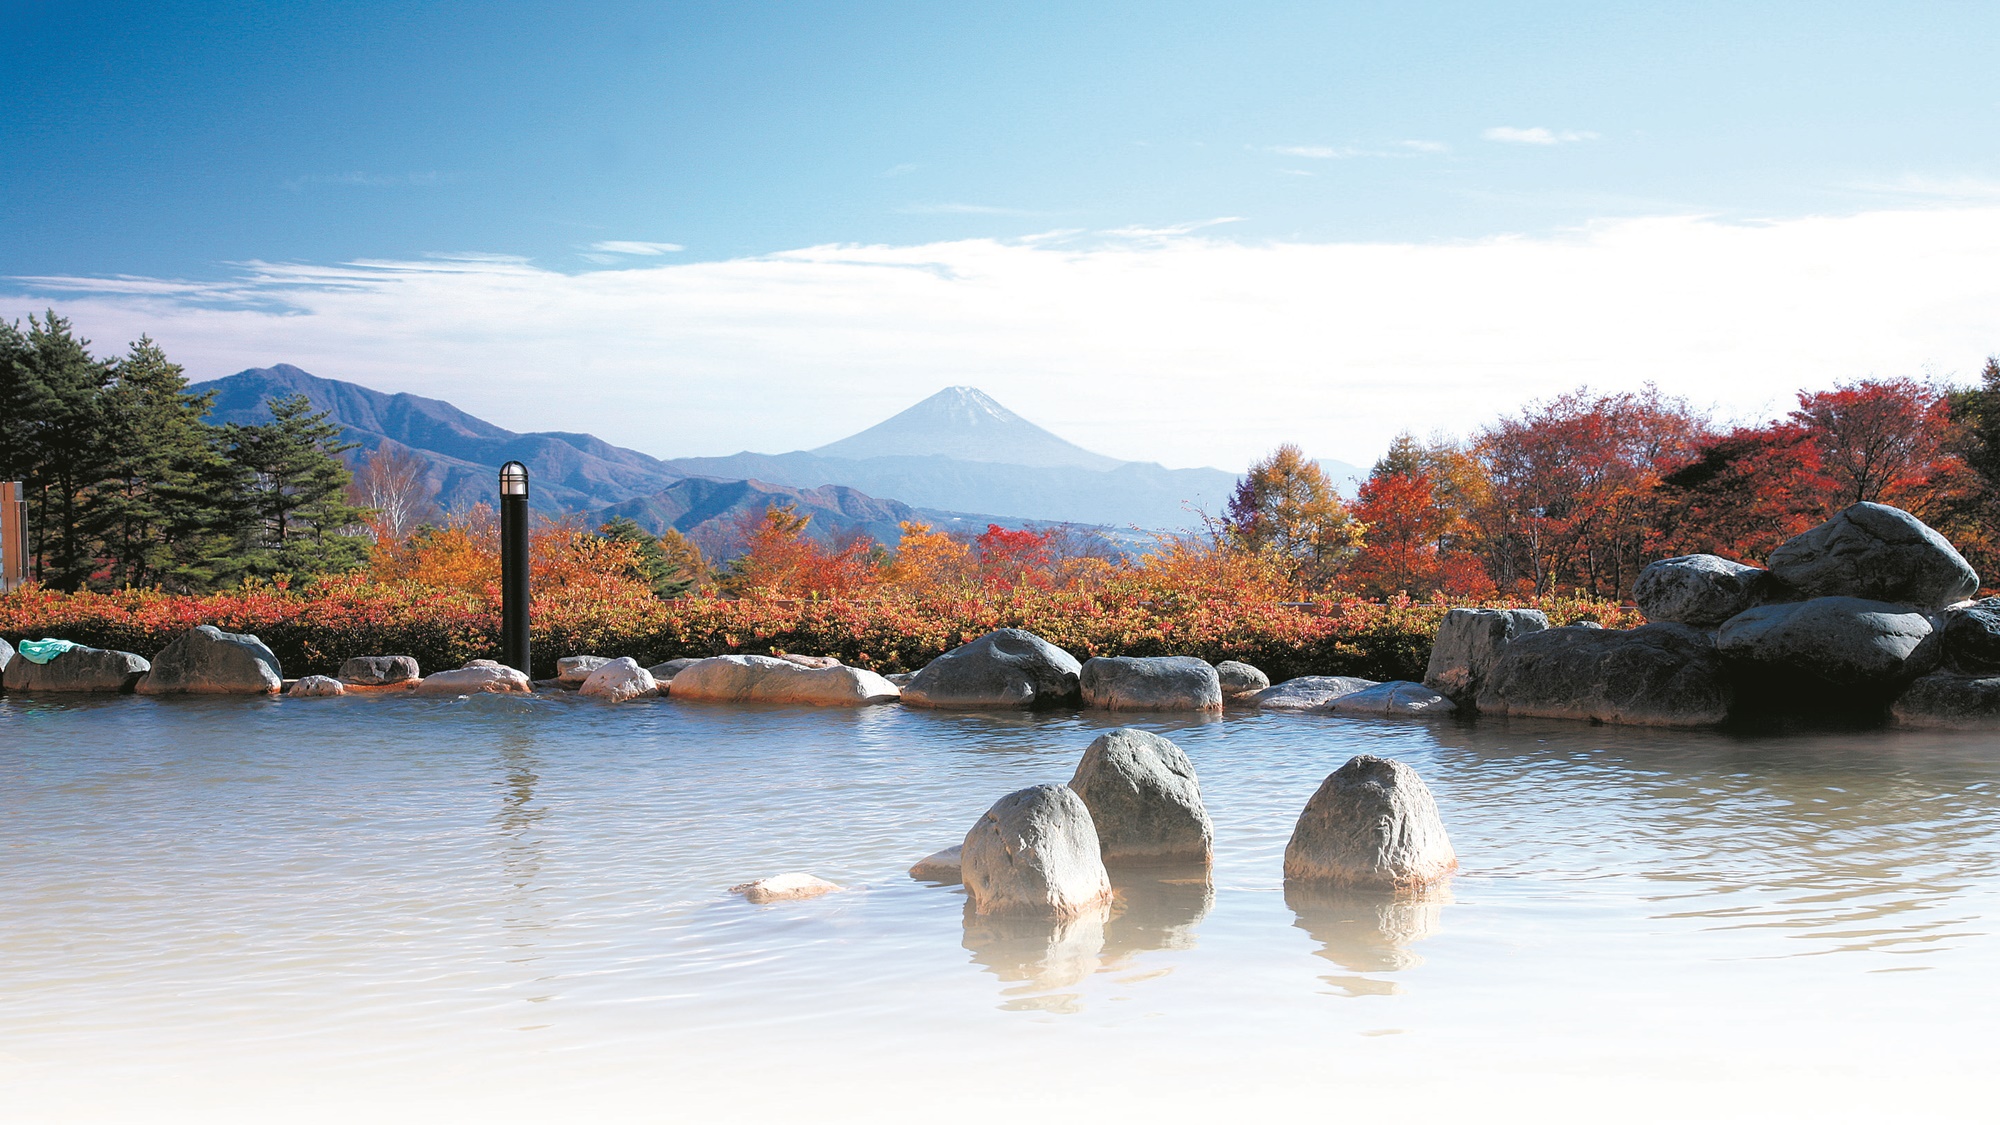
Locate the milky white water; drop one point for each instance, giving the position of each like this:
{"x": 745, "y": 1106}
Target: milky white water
{"x": 371, "y": 909}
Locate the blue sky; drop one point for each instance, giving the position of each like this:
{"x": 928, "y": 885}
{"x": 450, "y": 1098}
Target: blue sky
{"x": 177, "y": 142}
{"x": 174, "y": 138}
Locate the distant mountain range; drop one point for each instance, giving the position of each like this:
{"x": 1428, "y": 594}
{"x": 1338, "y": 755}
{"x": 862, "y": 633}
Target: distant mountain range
{"x": 949, "y": 457}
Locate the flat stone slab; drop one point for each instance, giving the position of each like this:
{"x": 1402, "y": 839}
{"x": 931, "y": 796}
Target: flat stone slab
{"x": 784, "y": 888}
{"x": 1307, "y": 693}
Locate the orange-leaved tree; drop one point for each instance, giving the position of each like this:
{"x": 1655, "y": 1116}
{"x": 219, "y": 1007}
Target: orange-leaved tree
{"x": 781, "y": 560}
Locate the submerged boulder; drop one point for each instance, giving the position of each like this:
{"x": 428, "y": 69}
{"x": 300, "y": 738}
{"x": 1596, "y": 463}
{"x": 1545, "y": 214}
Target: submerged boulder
{"x": 1397, "y": 697}
{"x": 207, "y": 661}
{"x": 82, "y": 668}
{"x": 1143, "y": 799}
{"x": 1010, "y": 668}
{"x": 1240, "y": 679}
{"x": 1468, "y": 645}
{"x": 1841, "y": 644}
{"x": 1700, "y": 590}
{"x": 1035, "y": 853}
{"x": 1950, "y": 701}
{"x": 476, "y": 678}
{"x": 571, "y": 671}
{"x": 1372, "y": 825}
{"x": 783, "y": 888}
{"x": 1876, "y": 552}
{"x": 767, "y": 679}
{"x": 1307, "y": 693}
{"x": 1150, "y": 683}
{"x": 379, "y": 671}
{"x": 315, "y": 687}
{"x": 1655, "y": 675}
{"x": 1971, "y": 637}
{"x": 618, "y": 680}
{"x": 939, "y": 866}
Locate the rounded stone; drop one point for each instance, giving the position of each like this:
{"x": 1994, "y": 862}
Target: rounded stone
{"x": 1699, "y": 590}
{"x": 1876, "y": 552}
{"x": 1372, "y": 825}
{"x": 1035, "y": 852}
{"x": 1144, "y": 800}
{"x": 207, "y": 661}
{"x": 1150, "y": 683}
{"x": 1007, "y": 668}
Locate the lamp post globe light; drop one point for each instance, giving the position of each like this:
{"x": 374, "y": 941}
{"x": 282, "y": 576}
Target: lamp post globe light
{"x": 514, "y": 566}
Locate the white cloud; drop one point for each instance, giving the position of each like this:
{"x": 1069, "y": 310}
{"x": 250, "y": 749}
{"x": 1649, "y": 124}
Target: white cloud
{"x": 1167, "y": 344}
{"x": 1538, "y": 135}
{"x": 642, "y": 249}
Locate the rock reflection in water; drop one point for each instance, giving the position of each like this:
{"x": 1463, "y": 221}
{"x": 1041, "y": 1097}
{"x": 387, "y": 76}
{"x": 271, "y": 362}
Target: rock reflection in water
{"x": 1040, "y": 956}
{"x": 1156, "y": 908}
{"x": 1368, "y": 931}
{"x": 1044, "y": 960}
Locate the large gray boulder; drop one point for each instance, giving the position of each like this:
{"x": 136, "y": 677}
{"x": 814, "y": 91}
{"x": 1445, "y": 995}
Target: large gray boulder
{"x": 1143, "y": 799}
{"x": 1307, "y": 693}
{"x": 80, "y": 669}
{"x": 207, "y": 661}
{"x": 1150, "y": 683}
{"x": 1876, "y": 552}
{"x": 1468, "y": 645}
{"x": 1655, "y": 675}
{"x": 1373, "y": 825}
{"x": 1034, "y": 853}
{"x": 379, "y": 671}
{"x": 618, "y": 680}
{"x": 479, "y": 677}
{"x": 1397, "y": 697}
{"x": 1971, "y": 637}
{"x": 1953, "y": 702}
{"x": 1240, "y": 679}
{"x": 769, "y": 679}
{"x": 666, "y": 670}
{"x": 1005, "y": 668}
{"x": 1830, "y": 643}
{"x": 1700, "y": 590}
{"x": 571, "y": 671}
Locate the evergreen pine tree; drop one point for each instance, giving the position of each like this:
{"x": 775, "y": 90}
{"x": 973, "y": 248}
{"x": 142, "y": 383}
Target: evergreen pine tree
{"x": 164, "y": 512}
{"x": 302, "y": 521}
{"x": 55, "y": 441}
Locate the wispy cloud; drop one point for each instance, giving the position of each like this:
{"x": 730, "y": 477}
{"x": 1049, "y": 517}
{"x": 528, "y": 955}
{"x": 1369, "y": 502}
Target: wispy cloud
{"x": 1169, "y": 342}
{"x": 644, "y": 249}
{"x": 1952, "y": 188}
{"x": 1536, "y": 135}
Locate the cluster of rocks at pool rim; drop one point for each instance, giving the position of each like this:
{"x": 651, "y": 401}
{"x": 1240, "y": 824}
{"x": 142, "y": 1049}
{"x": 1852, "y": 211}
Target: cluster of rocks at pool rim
{"x": 1861, "y": 616}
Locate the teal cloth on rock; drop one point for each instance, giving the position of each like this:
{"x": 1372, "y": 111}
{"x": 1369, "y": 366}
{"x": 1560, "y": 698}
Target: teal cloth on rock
{"x": 43, "y": 651}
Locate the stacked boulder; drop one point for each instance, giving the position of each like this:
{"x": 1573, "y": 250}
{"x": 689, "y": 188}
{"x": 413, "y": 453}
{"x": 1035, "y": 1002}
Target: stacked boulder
{"x": 1865, "y": 609}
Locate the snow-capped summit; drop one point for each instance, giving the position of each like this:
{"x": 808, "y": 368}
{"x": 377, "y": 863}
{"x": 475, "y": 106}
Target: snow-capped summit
{"x": 967, "y": 424}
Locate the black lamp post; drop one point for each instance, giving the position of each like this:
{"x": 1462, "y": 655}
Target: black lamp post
{"x": 514, "y": 566}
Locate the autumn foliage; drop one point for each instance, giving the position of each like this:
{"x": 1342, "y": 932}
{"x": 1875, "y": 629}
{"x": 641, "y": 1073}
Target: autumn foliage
{"x": 1556, "y": 507}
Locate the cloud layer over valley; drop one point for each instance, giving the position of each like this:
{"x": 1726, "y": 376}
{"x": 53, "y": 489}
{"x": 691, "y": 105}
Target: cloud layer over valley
{"x": 1172, "y": 346}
